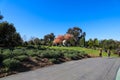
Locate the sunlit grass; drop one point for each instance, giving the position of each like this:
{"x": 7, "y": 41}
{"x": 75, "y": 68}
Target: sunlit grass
{"x": 91, "y": 52}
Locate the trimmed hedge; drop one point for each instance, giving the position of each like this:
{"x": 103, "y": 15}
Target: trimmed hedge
{"x": 14, "y": 59}
{"x": 22, "y": 58}
{"x": 12, "y": 64}
{"x": 51, "y": 54}
{"x": 55, "y": 61}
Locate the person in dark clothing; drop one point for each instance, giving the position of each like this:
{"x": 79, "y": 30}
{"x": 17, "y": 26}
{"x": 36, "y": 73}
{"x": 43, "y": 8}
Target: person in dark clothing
{"x": 100, "y": 53}
{"x": 119, "y": 53}
{"x": 109, "y": 52}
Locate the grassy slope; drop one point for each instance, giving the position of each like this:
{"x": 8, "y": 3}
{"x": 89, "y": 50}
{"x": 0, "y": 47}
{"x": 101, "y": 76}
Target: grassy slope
{"x": 88, "y": 51}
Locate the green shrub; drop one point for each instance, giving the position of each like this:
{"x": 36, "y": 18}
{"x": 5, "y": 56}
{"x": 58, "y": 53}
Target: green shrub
{"x": 74, "y": 55}
{"x": 51, "y": 54}
{"x": 56, "y": 55}
{"x": 4, "y": 70}
{"x": 18, "y": 52}
{"x": 21, "y": 57}
{"x": 55, "y": 61}
{"x": 42, "y": 48}
{"x": 12, "y": 64}
{"x": 1, "y": 58}
{"x": 45, "y": 54}
{"x": 39, "y": 52}
{"x": 7, "y": 54}
{"x": 67, "y": 55}
{"x": 82, "y": 54}
{"x": 31, "y": 47}
{"x": 31, "y": 53}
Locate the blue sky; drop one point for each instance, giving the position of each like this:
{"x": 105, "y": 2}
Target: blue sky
{"x": 36, "y": 18}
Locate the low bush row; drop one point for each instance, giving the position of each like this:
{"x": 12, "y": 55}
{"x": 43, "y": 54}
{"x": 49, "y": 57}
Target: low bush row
{"x": 12, "y": 59}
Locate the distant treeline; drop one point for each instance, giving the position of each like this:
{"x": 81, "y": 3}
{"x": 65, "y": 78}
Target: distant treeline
{"x": 9, "y": 37}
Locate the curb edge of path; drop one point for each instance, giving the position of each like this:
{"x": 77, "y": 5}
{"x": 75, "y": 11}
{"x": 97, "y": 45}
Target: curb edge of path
{"x": 118, "y": 75}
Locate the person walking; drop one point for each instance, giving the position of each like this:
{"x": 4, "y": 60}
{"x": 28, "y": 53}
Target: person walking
{"x": 119, "y": 53}
{"x": 100, "y": 53}
{"x": 109, "y": 52}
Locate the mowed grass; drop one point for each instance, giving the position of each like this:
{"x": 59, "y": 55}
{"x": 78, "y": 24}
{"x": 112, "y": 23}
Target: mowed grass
{"x": 91, "y": 52}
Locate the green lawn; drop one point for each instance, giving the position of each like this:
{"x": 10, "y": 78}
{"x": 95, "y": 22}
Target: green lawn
{"x": 91, "y": 52}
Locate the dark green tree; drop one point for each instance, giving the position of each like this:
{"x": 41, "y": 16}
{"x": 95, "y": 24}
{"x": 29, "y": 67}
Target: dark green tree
{"x": 77, "y": 33}
{"x": 31, "y": 41}
{"x": 90, "y": 43}
{"x": 96, "y": 43}
{"x": 1, "y": 16}
{"x": 109, "y": 44}
{"x": 48, "y": 39}
{"x": 36, "y": 41}
{"x": 71, "y": 42}
{"x": 8, "y": 35}
{"x": 82, "y": 40}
